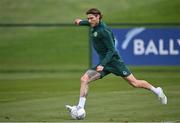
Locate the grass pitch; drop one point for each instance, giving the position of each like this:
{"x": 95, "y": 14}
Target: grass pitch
{"x": 41, "y": 97}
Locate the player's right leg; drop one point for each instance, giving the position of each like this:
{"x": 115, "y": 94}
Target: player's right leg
{"x": 89, "y": 76}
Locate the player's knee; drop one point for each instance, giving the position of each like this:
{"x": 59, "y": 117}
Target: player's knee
{"x": 84, "y": 80}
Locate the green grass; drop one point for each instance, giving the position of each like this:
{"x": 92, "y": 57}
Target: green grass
{"x": 38, "y": 48}
{"x": 65, "y": 11}
{"x": 42, "y": 96}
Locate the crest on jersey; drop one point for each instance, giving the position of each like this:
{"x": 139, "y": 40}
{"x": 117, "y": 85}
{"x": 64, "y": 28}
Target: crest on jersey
{"x": 95, "y": 34}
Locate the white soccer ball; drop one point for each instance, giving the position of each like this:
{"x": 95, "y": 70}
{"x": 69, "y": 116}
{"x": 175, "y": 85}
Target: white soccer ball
{"x": 78, "y": 113}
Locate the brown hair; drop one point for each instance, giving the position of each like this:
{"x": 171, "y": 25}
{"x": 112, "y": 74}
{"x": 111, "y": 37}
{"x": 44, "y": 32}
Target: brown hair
{"x": 95, "y": 12}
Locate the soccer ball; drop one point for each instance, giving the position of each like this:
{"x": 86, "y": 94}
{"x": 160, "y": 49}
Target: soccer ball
{"x": 78, "y": 113}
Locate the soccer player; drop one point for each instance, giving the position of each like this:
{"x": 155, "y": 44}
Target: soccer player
{"x": 103, "y": 41}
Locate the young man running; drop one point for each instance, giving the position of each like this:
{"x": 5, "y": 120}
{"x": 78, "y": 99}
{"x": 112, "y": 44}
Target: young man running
{"x": 103, "y": 41}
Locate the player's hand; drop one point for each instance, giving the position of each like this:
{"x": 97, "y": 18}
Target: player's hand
{"x": 99, "y": 68}
{"x": 77, "y": 21}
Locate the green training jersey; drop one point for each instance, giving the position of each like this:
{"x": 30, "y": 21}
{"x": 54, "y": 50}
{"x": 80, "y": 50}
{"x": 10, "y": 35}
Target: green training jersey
{"x": 103, "y": 42}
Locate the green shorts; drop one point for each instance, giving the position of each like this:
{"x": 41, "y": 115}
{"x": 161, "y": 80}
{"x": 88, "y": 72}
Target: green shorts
{"x": 116, "y": 67}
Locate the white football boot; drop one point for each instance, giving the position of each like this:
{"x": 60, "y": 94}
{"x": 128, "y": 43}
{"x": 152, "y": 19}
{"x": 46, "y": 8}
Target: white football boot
{"x": 162, "y": 96}
{"x": 69, "y": 108}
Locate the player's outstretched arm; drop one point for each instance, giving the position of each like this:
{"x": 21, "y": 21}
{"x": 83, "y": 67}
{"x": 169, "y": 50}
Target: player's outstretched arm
{"x": 80, "y": 22}
{"x": 77, "y": 21}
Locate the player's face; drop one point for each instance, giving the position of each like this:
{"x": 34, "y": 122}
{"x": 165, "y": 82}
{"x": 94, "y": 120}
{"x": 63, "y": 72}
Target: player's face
{"x": 93, "y": 20}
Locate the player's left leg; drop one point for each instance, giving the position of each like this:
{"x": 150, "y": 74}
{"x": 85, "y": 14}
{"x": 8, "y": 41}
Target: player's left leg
{"x": 144, "y": 84}
{"x": 137, "y": 83}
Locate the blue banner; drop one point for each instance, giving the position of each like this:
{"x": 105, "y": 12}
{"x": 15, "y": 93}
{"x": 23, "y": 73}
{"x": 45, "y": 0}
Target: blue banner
{"x": 146, "y": 46}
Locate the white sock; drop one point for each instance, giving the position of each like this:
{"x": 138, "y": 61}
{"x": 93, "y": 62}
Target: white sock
{"x": 155, "y": 90}
{"x": 82, "y": 101}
